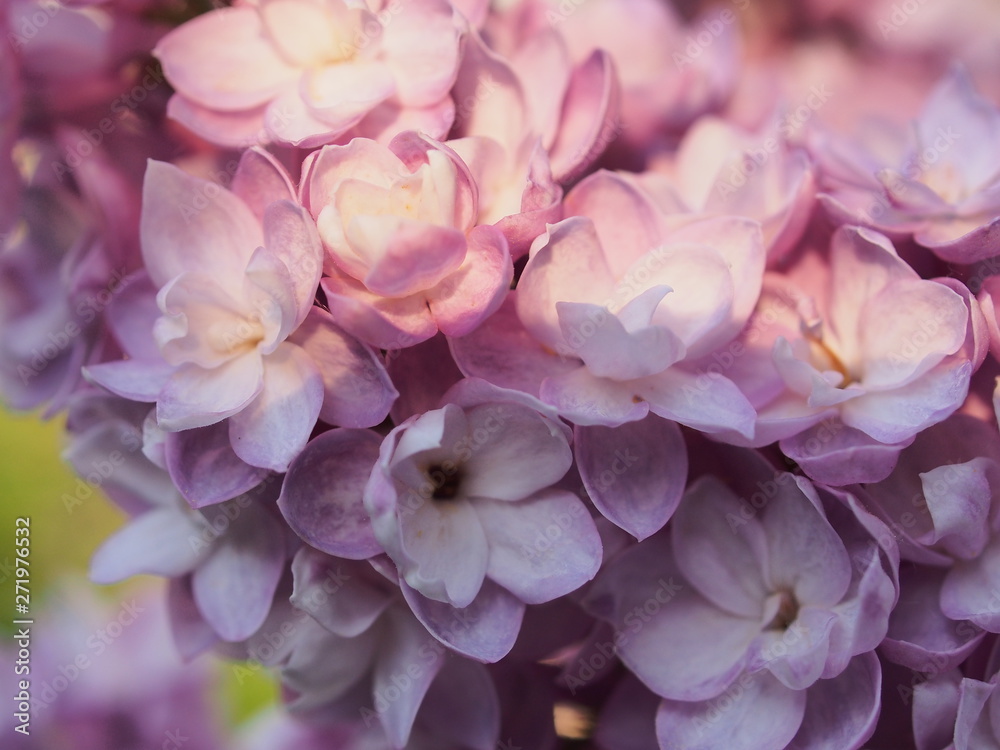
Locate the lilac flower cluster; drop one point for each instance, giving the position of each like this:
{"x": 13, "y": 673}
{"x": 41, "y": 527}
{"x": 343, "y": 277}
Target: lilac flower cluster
{"x": 506, "y": 374}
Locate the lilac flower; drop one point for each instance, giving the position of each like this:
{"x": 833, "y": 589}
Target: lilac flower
{"x": 353, "y": 658}
{"x": 403, "y": 255}
{"x": 231, "y": 555}
{"x": 472, "y": 482}
{"x": 940, "y": 185}
{"x": 888, "y": 358}
{"x": 618, "y": 303}
{"x": 237, "y": 337}
{"x": 305, "y": 72}
{"x": 786, "y": 601}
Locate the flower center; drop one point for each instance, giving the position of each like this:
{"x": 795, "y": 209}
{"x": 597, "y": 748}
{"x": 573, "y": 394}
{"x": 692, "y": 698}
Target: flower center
{"x": 446, "y": 481}
{"x": 231, "y": 339}
{"x": 788, "y": 610}
{"x": 824, "y": 358}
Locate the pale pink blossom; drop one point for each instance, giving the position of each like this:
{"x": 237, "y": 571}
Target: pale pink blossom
{"x": 305, "y": 72}
{"x": 404, "y": 258}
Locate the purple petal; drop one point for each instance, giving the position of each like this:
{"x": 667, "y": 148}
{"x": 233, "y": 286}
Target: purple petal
{"x": 505, "y": 436}
{"x": 192, "y": 635}
{"x": 484, "y": 631}
{"x": 321, "y": 497}
{"x": 407, "y": 664}
{"x": 628, "y": 718}
{"x": 833, "y": 453}
{"x": 635, "y": 473}
{"x": 971, "y": 590}
{"x": 678, "y": 643}
{"x": 204, "y": 467}
{"x": 920, "y": 636}
{"x": 235, "y": 585}
{"x": 720, "y": 547}
{"x": 357, "y": 389}
{"x": 422, "y": 373}
{"x": 337, "y": 594}
{"x": 461, "y": 708}
{"x": 445, "y": 550}
{"x": 134, "y": 379}
{"x": 540, "y": 548}
{"x": 502, "y": 351}
{"x": 291, "y": 236}
{"x": 158, "y": 543}
{"x": 841, "y": 713}
{"x": 586, "y": 399}
{"x": 260, "y": 180}
{"x": 756, "y": 712}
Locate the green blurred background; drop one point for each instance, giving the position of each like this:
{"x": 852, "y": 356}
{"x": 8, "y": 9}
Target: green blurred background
{"x": 33, "y": 479}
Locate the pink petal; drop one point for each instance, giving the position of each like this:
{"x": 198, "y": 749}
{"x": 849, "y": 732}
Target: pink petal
{"x": 190, "y": 224}
{"x": 421, "y": 47}
{"x": 477, "y": 289}
{"x": 707, "y": 402}
{"x": 224, "y": 60}
{"x": 407, "y": 257}
{"x": 261, "y": 180}
{"x": 585, "y": 399}
{"x": 627, "y": 222}
{"x": 384, "y": 323}
{"x": 590, "y": 119}
{"x": 238, "y": 129}
{"x": 195, "y": 397}
{"x": 340, "y": 95}
{"x": 357, "y": 388}
{"x": 569, "y": 267}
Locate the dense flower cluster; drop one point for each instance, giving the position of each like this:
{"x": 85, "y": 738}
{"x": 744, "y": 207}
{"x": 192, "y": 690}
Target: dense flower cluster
{"x": 503, "y": 374}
